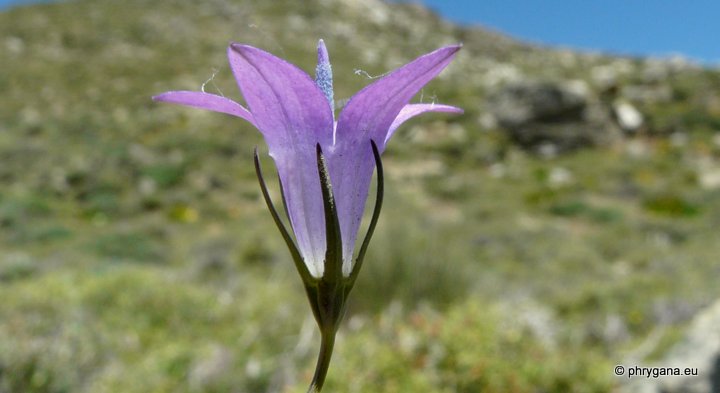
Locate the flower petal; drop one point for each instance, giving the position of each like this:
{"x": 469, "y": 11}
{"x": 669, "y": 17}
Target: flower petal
{"x": 411, "y": 110}
{"x": 211, "y": 102}
{"x": 370, "y": 112}
{"x": 368, "y": 116}
{"x": 294, "y": 116}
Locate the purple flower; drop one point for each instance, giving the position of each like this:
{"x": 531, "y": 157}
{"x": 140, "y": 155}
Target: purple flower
{"x": 325, "y": 165}
{"x": 291, "y": 110}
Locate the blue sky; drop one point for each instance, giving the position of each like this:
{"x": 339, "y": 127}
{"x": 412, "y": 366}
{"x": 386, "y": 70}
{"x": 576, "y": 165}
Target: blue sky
{"x": 639, "y": 27}
{"x": 636, "y": 27}
{"x": 7, "y": 3}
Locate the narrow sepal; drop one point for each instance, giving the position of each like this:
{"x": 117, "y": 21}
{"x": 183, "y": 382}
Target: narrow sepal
{"x": 282, "y": 197}
{"x": 333, "y": 255}
{"x": 299, "y": 264}
{"x": 380, "y": 192}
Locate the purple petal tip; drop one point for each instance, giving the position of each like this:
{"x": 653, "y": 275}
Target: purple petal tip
{"x": 454, "y": 48}
{"x": 241, "y": 49}
{"x": 237, "y": 47}
{"x": 160, "y": 97}
{"x": 450, "y": 50}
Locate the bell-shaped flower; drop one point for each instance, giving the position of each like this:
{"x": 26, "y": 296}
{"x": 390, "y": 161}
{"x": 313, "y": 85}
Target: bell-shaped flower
{"x": 291, "y": 110}
{"x": 325, "y": 166}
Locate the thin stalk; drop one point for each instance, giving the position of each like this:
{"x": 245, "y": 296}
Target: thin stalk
{"x": 327, "y": 341}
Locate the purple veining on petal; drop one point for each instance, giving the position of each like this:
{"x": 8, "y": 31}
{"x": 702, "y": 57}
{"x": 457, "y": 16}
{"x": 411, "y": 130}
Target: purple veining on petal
{"x": 411, "y": 110}
{"x": 370, "y": 112}
{"x": 369, "y": 115}
{"x": 211, "y": 102}
{"x": 293, "y": 115}
{"x": 292, "y": 112}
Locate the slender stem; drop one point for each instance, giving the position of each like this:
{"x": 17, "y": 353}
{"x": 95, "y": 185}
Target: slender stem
{"x": 323, "y": 363}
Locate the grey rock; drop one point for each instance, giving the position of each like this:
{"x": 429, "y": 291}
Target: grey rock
{"x": 628, "y": 117}
{"x": 523, "y": 102}
{"x": 700, "y": 348}
{"x": 563, "y": 115}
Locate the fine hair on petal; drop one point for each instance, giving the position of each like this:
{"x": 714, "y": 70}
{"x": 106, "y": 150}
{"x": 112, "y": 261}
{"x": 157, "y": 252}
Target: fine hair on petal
{"x": 269, "y": 37}
{"x": 211, "y": 81}
{"x": 364, "y": 73}
{"x": 433, "y": 97}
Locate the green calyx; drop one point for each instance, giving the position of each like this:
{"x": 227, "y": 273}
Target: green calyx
{"x": 328, "y": 294}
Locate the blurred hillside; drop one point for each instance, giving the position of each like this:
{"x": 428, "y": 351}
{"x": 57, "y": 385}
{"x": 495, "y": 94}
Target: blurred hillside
{"x": 566, "y": 223}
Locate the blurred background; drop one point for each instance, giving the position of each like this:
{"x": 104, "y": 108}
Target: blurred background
{"x": 566, "y": 223}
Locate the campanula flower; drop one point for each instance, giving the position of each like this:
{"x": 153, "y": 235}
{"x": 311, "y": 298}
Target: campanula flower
{"x": 325, "y": 165}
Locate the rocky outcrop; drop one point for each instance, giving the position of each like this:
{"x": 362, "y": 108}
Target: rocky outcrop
{"x": 628, "y": 118}
{"x": 549, "y": 116}
{"x": 699, "y": 349}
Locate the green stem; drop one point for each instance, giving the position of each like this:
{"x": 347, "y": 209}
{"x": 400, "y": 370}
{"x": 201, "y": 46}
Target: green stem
{"x": 327, "y": 341}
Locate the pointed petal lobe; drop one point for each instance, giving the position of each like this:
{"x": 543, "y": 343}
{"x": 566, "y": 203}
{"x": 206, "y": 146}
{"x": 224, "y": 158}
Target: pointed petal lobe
{"x": 368, "y": 116}
{"x": 370, "y": 112}
{"x": 294, "y": 116}
{"x": 411, "y": 110}
{"x": 211, "y": 102}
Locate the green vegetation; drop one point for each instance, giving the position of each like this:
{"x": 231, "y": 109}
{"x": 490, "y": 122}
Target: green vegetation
{"x": 137, "y": 254}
